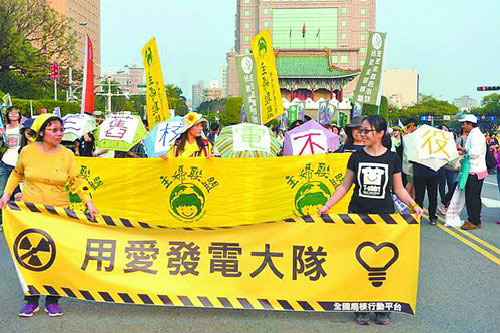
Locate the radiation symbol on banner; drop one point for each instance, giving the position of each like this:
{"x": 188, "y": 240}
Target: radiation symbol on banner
{"x": 35, "y": 250}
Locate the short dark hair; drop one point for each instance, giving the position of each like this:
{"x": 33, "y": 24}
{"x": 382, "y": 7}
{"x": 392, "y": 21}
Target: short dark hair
{"x": 377, "y": 122}
{"x": 47, "y": 122}
{"x": 472, "y": 124}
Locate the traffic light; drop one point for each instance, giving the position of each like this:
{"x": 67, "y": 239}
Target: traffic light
{"x": 54, "y": 72}
{"x": 488, "y": 88}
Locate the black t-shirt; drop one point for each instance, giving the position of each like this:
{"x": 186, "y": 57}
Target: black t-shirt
{"x": 373, "y": 180}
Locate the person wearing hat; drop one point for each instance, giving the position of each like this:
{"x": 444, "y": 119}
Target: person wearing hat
{"x": 475, "y": 147}
{"x": 354, "y": 141}
{"x": 396, "y": 137}
{"x": 190, "y": 143}
{"x": 47, "y": 168}
{"x": 12, "y": 135}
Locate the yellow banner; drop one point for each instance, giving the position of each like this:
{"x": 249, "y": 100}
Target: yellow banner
{"x": 267, "y": 74}
{"x": 337, "y": 263}
{"x": 197, "y": 192}
{"x": 156, "y": 95}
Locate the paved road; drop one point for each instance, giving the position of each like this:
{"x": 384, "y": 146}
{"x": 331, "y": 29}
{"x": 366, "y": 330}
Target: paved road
{"x": 458, "y": 292}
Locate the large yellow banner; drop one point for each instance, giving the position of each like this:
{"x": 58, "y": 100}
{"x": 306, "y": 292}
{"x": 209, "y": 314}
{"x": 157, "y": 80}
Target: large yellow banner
{"x": 335, "y": 263}
{"x": 156, "y": 95}
{"x": 197, "y": 192}
{"x": 267, "y": 74}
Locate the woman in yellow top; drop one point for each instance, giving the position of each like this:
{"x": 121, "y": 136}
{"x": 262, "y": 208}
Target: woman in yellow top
{"x": 47, "y": 167}
{"x": 190, "y": 143}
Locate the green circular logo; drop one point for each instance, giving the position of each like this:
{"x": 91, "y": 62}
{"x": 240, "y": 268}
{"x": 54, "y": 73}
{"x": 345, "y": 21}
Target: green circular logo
{"x": 311, "y": 197}
{"x": 262, "y": 46}
{"x": 187, "y": 201}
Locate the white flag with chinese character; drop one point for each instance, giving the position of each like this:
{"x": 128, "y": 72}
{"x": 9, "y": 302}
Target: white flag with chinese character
{"x": 309, "y": 142}
{"x": 251, "y": 137}
{"x": 119, "y": 128}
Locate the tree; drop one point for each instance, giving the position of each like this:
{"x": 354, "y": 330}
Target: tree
{"x": 32, "y": 35}
{"x": 176, "y": 100}
{"x": 232, "y": 112}
{"x": 429, "y": 105}
{"x": 490, "y": 105}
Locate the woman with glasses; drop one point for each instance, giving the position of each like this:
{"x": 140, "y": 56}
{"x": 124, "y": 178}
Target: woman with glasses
{"x": 375, "y": 172}
{"x": 47, "y": 168}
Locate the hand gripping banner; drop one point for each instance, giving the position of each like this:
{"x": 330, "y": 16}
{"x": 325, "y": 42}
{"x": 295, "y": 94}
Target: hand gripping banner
{"x": 334, "y": 263}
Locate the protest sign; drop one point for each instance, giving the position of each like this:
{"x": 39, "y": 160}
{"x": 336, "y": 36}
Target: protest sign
{"x": 196, "y": 192}
{"x": 267, "y": 74}
{"x": 249, "y": 88}
{"x": 336, "y": 263}
{"x": 156, "y": 96}
{"x": 369, "y": 87}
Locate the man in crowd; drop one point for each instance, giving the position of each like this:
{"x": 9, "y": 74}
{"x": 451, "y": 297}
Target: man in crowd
{"x": 475, "y": 147}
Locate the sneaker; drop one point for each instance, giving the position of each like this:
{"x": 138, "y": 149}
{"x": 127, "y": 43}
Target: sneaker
{"x": 382, "y": 319}
{"x": 433, "y": 221}
{"x": 363, "y": 318}
{"x": 54, "y": 310}
{"x": 28, "y": 309}
{"x": 441, "y": 209}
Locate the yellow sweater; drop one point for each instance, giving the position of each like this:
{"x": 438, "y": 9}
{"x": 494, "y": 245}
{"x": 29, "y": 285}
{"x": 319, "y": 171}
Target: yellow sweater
{"x": 46, "y": 175}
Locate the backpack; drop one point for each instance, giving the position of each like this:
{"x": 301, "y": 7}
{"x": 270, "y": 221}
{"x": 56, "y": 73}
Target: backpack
{"x": 491, "y": 161}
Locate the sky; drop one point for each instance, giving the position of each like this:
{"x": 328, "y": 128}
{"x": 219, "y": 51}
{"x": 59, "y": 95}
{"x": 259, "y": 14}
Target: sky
{"x": 454, "y": 44}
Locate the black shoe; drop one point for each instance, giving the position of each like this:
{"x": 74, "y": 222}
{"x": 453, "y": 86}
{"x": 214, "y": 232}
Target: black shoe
{"x": 382, "y": 319}
{"x": 433, "y": 221}
{"x": 362, "y": 318}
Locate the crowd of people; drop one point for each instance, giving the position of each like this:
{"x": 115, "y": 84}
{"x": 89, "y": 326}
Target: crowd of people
{"x": 37, "y": 165}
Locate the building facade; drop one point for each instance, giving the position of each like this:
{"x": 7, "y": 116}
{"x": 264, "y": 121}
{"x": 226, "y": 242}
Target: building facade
{"x": 213, "y": 93}
{"x": 401, "y": 87}
{"x": 129, "y": 80}
{"x": 331, "y": 33}
{"x": 198, "y": 94}
{"x": 465, "y": 103}
{"x": 85, "y": 15}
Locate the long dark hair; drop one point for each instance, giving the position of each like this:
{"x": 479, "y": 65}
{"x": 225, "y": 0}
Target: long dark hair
{"x": 44, "y": 126}
{"x": 180, "y": 143}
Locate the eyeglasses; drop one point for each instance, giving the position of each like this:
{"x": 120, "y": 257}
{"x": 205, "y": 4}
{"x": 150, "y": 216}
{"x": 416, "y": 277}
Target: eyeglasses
{"x": 366, "y": 131}
{"x": 55, "y": 130}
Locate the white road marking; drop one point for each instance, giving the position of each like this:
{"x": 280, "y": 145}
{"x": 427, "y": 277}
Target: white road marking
{"x": 491, "y": 203}
{"x": 490, "y": 183}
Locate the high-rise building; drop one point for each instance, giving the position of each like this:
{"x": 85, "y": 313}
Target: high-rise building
{"x": 320, "y": 45}
{"x": 213, "y": 93}
{"x": 198, "y": 94}
{"x": 401, "y": 87}
{"x": 85, "y": 15}
{"x": 465, "y": 103}
{"x": 224, "y": 80}
{"x": 129, "y": 79}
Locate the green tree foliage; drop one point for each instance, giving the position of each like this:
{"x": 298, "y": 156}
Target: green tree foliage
{"x": 490, "y": 105}
{"x": 176, "y": 99}
{"x": 32, "y": 36}
{"x": 232, "y": 112}
{"x": 429, "y": 105}
{"x": 25, "y": 106}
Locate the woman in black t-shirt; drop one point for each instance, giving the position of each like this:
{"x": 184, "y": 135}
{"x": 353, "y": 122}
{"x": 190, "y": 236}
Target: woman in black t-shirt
{"x": 376, "y": 174}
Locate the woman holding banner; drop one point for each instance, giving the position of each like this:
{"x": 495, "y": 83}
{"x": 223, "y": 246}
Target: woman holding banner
{"x": 190, "y": 143}
{"x": 376, "y": 173}
{"x": 47, "y": 168}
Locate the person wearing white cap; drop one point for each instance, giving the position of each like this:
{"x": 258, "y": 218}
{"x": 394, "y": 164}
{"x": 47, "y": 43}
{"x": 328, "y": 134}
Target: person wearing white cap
{"x": 190, "y": 143}
{"x": 475, "y": 147}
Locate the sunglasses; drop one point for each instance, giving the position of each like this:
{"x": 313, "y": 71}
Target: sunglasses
{"x": 366, "y": 131}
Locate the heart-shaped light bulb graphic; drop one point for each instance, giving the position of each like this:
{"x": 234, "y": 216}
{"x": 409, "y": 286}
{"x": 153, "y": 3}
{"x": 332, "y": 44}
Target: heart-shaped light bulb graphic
{"x": 377, "y": 274}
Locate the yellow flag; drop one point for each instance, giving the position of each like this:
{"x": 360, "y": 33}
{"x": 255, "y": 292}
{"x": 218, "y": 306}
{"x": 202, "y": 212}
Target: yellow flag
{"x": 156, "y": 95}
{"x": 269, "y": 87}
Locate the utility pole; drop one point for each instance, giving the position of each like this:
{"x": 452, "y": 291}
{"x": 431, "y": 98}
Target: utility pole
{"x": 70, "y": 80}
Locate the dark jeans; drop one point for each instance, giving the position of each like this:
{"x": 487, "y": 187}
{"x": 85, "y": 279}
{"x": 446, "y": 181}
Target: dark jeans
{"x": 36, "y": 298}
{"x": 431, "y": 185}
{"x": 5, "y": 171}
{"x": 446, "y": 177}
{"x": 447, "y": 198}
{"x": 473, "y": 198}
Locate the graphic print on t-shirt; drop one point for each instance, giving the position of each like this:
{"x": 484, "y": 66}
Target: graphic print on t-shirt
{"x": 372, "y": 179}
